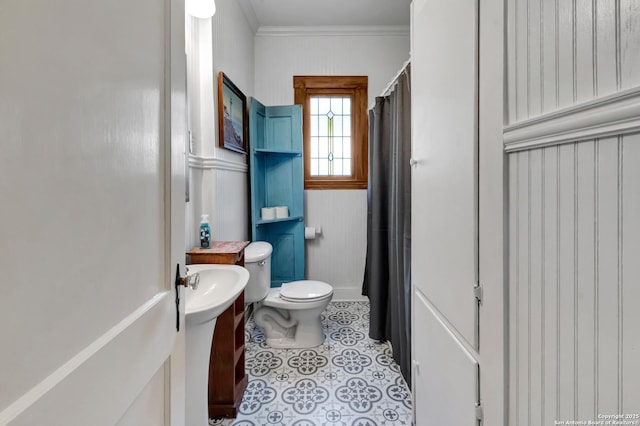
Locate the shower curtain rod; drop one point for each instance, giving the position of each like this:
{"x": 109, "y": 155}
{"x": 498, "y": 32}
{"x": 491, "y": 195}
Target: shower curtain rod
{"x": 387, "y": 90}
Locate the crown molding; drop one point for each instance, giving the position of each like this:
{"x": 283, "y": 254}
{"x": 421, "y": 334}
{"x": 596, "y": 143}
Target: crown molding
{"x": 616, "y": 114}
{"x": 212, "y": 163}
{"x": 336, "y": 30}
{"x": 250, "y": 14}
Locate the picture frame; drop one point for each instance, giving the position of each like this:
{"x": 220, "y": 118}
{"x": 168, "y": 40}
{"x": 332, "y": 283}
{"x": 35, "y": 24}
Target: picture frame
{"x": 232, "y": 116}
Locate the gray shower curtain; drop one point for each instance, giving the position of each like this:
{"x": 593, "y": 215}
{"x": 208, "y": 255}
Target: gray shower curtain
{"x": 387, "y": 277}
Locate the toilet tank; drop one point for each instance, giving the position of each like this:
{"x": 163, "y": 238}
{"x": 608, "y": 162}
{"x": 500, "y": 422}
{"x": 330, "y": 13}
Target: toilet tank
{"x": 257, "y": 260}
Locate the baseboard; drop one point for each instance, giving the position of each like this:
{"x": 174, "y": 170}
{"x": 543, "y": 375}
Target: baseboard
{"x": 348, "y": 295}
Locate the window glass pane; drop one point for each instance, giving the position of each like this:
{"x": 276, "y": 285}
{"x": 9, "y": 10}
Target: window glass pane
{"x": 337, "y": 125}
{"x": 337, "y": 147}
{"x": 336, "y": 105}
{"x": 330, "y": 127}
{"x": 323, "y": 168}
{"x": 346, "y": 147}
{"x": 337, "y": 167}
{"x": 346, "y": 171}
{"x": 323, "y": 125}
{"x": 346, "y": 125}
{"x": 324, "y": 105}
{"x": 324, "y": 148}
{"x": 346, "y": 106}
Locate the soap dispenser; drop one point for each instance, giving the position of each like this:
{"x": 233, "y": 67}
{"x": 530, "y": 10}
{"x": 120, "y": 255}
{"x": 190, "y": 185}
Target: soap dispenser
{"x": 205, "y": 232}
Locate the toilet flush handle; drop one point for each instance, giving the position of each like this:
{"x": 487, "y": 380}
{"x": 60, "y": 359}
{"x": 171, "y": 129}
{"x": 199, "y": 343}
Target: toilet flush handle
{"x": 262, "y": 263}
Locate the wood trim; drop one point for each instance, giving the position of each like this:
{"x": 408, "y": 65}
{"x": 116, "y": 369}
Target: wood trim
{"x": 330, "y": 82}
{"x": 336, "y": 184}
{"x": 616, "y": 114}
{"x": 356, "y": 87}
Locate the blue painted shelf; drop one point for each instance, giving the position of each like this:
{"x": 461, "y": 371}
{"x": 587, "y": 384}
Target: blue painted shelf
{"x": 277, "y": 179}
{"x": 262, "y": 151}
{"x": 283, "y": 219}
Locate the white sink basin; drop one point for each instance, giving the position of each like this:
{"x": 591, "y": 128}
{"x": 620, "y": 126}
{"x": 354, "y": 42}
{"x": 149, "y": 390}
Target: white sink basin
{"x": 219, "y": 287}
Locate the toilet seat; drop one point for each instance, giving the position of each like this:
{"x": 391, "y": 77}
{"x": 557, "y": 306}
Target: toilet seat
{"x": 305, "y": 291}
{"x": 274, "y": 298}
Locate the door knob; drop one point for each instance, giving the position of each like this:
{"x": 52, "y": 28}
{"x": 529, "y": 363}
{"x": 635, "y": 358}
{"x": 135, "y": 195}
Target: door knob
{"x": 188, "y": 280}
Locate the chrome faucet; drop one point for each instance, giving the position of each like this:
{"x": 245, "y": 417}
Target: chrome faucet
{"x": 190, "y": 280}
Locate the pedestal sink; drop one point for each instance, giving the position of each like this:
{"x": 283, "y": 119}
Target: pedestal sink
{"x": 219, "y": 286}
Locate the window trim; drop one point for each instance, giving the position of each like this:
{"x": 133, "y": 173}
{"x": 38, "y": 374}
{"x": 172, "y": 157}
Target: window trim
{"x": 356, "y": 86}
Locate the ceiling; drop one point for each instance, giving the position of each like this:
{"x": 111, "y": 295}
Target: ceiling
{"x": 301, "y": 13}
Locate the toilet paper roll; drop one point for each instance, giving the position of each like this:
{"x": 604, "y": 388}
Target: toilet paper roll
{"x": 309, "y": 233}
{"x": 267, "y": 213}
{"x": 282, "y": 212}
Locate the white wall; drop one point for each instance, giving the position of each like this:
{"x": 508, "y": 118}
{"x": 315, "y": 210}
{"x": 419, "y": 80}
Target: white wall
{"x": 218, "y": 177}
{"x": 338, "y": 257}
{"x": 574, "y": 147}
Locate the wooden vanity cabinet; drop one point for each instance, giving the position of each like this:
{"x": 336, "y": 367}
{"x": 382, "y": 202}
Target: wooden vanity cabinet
{"x": 227, "y": 375}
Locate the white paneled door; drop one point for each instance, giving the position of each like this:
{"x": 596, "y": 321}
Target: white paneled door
{"x": 444, "y": 211}
{"x": 92, "y": 125}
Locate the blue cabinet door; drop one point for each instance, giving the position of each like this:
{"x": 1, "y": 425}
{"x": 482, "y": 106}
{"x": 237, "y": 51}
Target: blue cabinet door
{"x": 277, "y": 179}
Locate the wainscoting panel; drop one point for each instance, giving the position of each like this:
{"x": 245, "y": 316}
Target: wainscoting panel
{"x": 575, "y": 245}
{"x": 231, "y": 206}
{"x": 630, "y": 247}
{"x": 550, "y": 300}
{"x": 219, "y": 188}
{"x": 630, "y": 32}
{"x": 565, "y": 52}
{"x": 338, "y": 255}
{"x": 572, "y": 136}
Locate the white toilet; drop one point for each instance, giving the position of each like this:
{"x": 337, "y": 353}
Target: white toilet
{"x": 289, "y": 315}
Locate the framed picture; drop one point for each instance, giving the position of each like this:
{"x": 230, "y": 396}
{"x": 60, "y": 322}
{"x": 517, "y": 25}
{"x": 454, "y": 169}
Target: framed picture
{"x": 232, "y": 115}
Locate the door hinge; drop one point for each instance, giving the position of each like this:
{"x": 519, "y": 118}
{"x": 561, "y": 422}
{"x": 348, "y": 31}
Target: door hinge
{"x": 477, "y": 292}
{"x": 479, "y": 412}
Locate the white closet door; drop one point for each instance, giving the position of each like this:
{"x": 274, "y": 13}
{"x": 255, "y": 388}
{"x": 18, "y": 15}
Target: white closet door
{"x": 446, "y": 376}
{"x": 444, "y": 211}
{"x": 444, "y": 179}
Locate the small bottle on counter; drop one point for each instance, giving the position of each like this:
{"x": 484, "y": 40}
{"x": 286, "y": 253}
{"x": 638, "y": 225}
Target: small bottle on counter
{"x": 205, "y": 232}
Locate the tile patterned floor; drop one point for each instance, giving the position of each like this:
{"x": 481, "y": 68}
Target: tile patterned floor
{"x": 350, "y": 380}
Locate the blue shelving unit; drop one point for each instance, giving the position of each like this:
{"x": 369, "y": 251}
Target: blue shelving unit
{"x": 276, "y": 168}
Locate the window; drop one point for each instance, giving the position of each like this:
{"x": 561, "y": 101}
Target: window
{"x": 334, "y": 117}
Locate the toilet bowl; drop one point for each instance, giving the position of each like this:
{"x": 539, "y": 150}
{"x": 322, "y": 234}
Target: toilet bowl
{"x": 289, "y": 315}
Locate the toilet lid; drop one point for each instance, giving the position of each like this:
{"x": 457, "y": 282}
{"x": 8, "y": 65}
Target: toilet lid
{"x": 257, "y": 251}
{"x": 307, "y": 290}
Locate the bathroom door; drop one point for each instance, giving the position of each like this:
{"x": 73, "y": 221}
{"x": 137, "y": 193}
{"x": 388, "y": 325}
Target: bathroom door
{"x": 445, "y": 211}
{"x": 92, "y": 125}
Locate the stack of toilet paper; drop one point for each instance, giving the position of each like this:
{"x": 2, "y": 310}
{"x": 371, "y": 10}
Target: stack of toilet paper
{"x": 277, "y": 212}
